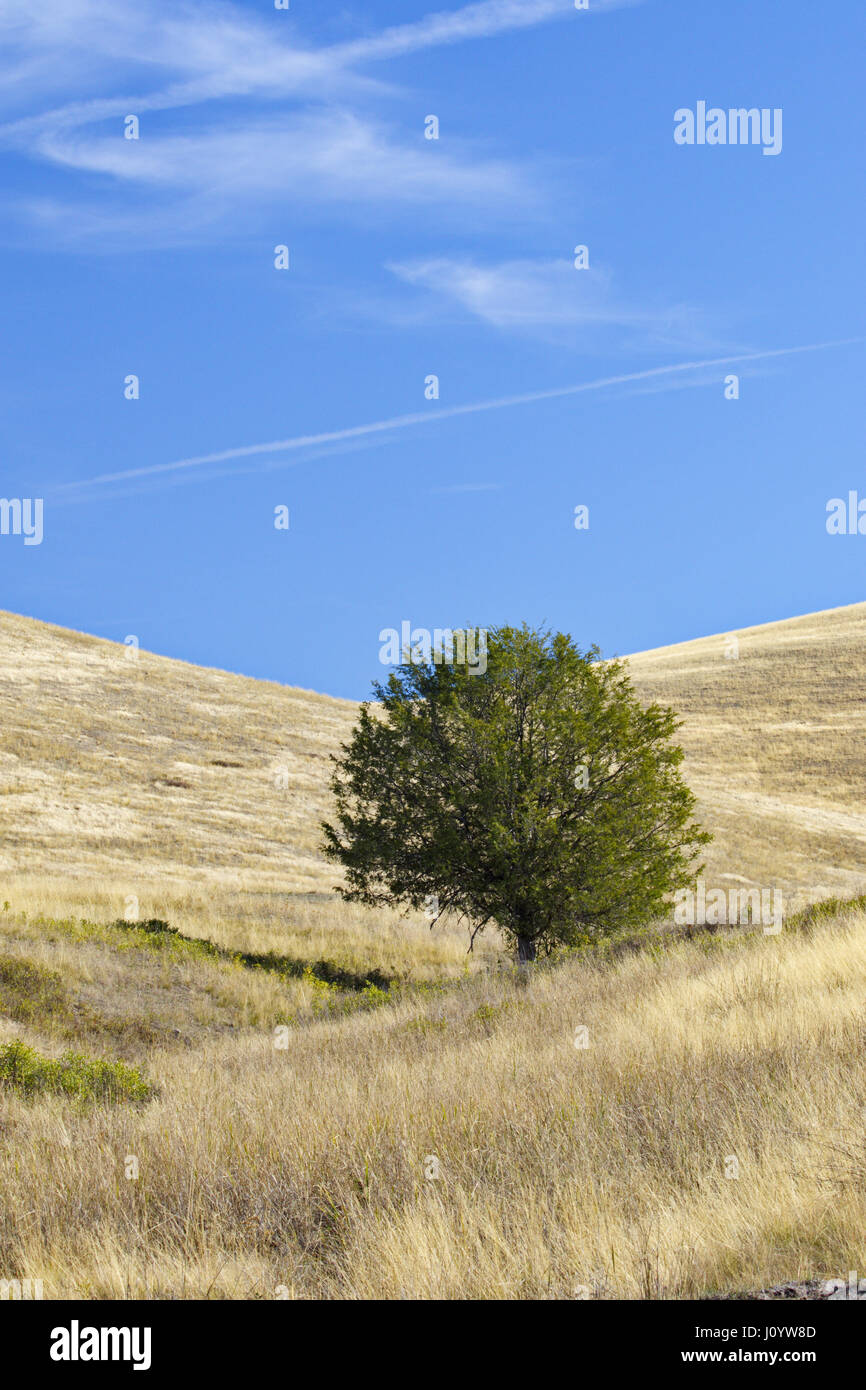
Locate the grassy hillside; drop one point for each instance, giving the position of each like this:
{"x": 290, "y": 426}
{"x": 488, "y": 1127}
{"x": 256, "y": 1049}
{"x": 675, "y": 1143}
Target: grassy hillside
{"x": 253, "y": 1090}
{"x": 194, "y": 794}
{"x": 703, "y": 1134}
{"x": 775, "y": 741}
{"x": 200, "y": 792}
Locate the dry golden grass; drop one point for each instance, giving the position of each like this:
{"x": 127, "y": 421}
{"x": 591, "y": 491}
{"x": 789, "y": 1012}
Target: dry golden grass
{"x": 304, "y": 928}
{"x": 159, "y": 779}
{"x": 775, "y": 743}
{"x": 156, "y": 772}
{"x": 562, "y": 1171}
{"x": 303, "y": 1171}
{"x": 92, "y": 749}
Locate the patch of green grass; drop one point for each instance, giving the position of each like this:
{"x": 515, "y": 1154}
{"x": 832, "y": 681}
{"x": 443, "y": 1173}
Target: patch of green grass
{"x": 157, "y": 935}
{"x": 336, "y": 989}
{"x": 426, "y": 1025}
{"x": 816, "y": 914}
{"x": 30, "y": 991}
{"x": 487, "y": 1016}
{"x": 27, "y": 1072}
{"x": 322, "y": 972}
{"x": 487, "y": 1013}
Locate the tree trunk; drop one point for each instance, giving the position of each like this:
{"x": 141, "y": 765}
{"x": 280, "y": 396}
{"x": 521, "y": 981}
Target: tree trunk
{"x": 526, "y": 949}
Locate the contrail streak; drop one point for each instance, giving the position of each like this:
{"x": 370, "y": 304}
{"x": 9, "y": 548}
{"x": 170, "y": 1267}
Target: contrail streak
{"x": 424, "y": 417}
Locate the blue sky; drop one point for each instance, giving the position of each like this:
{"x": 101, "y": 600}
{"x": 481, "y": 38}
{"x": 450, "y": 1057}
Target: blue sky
{"x": 412, "y": 257}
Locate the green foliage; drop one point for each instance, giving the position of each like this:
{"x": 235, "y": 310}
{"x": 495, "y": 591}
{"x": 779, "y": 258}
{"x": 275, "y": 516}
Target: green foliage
{"x": 157, "y": 935}
{"x": 372, "y": 997}
{"x": 29, "y": 991}
{"x": 490, "y": 1014}
{"x": 329, "y": 998}
{"x": 426, "y": 1025}
{"x": 824, "y": 911}
{"x": 26, "y": 1071}
{"x": 538, "y": 794}
{"x": 324, "y": 972}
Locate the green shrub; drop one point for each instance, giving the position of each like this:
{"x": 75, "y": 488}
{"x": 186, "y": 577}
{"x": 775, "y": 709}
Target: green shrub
{"x": 28, "y": 990}
{"x": 824, "y": 911}
{"x": 26, "y": 1071}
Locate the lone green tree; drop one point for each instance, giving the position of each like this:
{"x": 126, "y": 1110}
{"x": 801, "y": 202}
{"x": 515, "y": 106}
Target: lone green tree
{"x": 538, "y": 794}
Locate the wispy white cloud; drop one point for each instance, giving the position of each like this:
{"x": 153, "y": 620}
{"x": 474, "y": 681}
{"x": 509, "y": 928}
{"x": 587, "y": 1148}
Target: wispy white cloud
{"x": 378, "y": 428}
{"x": 228, "y": 51}
{"x": 322, "y": 155}
{"x": 102, "y": 61}
{"x": 483, "y": 20}
{"x": 154, "y": 56}
{"x": 549, "y": 298}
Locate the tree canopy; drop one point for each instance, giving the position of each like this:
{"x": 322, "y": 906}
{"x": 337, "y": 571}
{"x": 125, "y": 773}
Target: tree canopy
{"x": 538, "y": 794}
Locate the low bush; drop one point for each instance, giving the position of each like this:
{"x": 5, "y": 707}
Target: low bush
{"x": 26, "y": 1071}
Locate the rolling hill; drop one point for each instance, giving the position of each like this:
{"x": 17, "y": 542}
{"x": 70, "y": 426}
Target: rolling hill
{"x": 773, "y": 730}
{"x": 267, "y": 1094}
{"x": 162, "y": 780}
